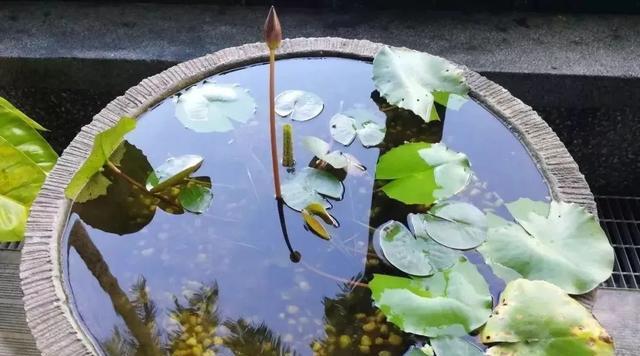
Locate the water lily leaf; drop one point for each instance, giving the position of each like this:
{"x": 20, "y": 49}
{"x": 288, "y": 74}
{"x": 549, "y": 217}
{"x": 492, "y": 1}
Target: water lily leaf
{"x": 13, "y": 217}
{"x": 345, "y": 127}
{"x": 299, "y": 105}
{"x": 314, "y": 225}
{"x": 212, "y": 107}
{"x": 561, "y": 244}
{"x": 18, "y": 130}
{"x": 452, "y": 302}
{"x": 453, "y": 224}
{"x": 425, "y": 350}
{"x": 415, "y": 256}
{"x": 538, "y": 318}
{"x": 422, "y": 173}
{"x": 321, "y": 149}
{"x": 172, "y": 171}
{"x": 454, "y": 346}
{"x": 408, "y": 79}
{"x": 320, "y": 211}
{"x": 105, "y": 143}
{"x": 309, "y": 186}
{"x": 195, "y": 198}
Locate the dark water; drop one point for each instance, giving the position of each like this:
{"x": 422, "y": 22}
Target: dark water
{"x": 238, "y": 243}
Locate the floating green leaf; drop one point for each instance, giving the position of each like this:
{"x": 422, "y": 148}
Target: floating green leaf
{"x": 344, "y": 128}
{"x": 299, "y": 105}
{"x": 195, "y": 198}
{"x": 422, "y": 173}
{"x": 315, "y": 225}
{"x": 453, "y": 224}
{"x": 559, "y": 243}
{"x": 409, "y": 79}
{"x": 538, "y": 318}
{"x": 309, "y": 186}
{"x": 453, "y": 302}
{"x": 321, "y": 149}
{"x": 425, "y": 350}
{"x": 212, "y": 107}
{"x": 172, "y": 171}
{"x": 415, "y": 256}
{"x": 454, "y": 346}
{"x": 104, "y": 144}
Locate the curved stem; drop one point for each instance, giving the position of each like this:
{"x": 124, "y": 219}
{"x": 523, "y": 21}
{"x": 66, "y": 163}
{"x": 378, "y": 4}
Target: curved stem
{"x": 293, "y": 254}
{"x": 272, "y": 123}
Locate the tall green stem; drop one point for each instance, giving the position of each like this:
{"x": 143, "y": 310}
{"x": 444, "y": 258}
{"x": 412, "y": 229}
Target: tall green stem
{"x": 272, "y": 123}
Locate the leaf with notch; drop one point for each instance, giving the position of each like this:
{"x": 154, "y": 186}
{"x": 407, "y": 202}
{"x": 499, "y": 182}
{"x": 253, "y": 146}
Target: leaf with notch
{"x": 456, "y": 225}
{"x": 309, "y": 186}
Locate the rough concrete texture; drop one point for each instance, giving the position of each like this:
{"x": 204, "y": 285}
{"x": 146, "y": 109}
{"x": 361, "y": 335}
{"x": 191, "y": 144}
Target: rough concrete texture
{"x": 619, "y": 312}
{"x": 538, "y": 43}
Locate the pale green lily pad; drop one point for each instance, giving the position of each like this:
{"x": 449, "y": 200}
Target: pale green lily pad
{"x": 415, "y": 256}
{"x": 409, "y": 79}
{"x": 456, "y": 225}
{"x": 310, "y": 186}
{"x": 298, "y": 105}
{"x": 104, "y": 144}
{"x": 213, "y": 107}
{"x": 425, "y": 350}
{"x": 454, "y": 346}
{"x": 336, "y": 159}
{"x": 195, "y": 198}
{"x": 172, "y": 171}
{"x": 423, "y": 173}
{"x": 536, "y": 318}
{"x": 565, "y": 246}
{"x": 345, "y": 127}
{"x": 453, "y": 302}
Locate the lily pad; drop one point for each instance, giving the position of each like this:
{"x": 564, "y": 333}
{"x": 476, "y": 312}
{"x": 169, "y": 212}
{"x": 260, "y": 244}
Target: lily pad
{"x": 213, "y": 107}
{"x": 172, "y": 171}
{"x": 104, "y": 144}
{"x": 345, "y": 127}
{"x": 195, "y": 198}
{"x": 336, "y": 159}
{"x": 415, "y": 256}
{"x": 409, "y": 79}
{"x": 558, "y": 242}
{"x": 453, "y": 224}
{"x": 454, "y": 346}
{"x": 310, "y": 186}
{"x": 425, "y": 350}
{"x": 452, "y": 302}
{"x": 538, "y": 318}
{"x": 423, "y": 173}
{"x": 299, "y": 105}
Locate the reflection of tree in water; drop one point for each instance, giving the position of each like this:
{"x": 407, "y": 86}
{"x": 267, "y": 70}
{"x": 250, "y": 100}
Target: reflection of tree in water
{"x": 247, "y": 339}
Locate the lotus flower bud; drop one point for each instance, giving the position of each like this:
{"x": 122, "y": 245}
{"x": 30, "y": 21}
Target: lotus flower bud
{"x": 272, "y": 30}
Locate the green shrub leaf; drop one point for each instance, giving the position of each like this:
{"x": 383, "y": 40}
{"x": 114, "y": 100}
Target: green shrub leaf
{"x": 23, "y": 136}
{"x": 415, "y": 256}
{"x": 298, "y": 105}
{"x": 453, "y": 224}
{"x": 453, "y": 302}
{"x": 423, "y": 173}
{"x": 212, "y": 107}
{"x": 105, "y": 143}
{"x": 558, "y": 242}
{"x": 13, "y": 216}
{"x": 409, "y": 79}
{"x": 538, "y": 318}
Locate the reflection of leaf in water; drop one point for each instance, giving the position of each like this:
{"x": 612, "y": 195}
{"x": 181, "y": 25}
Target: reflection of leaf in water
{"x": 172, "y": 171}
{"x": 299, "y": 105}
{"x": 124, "y": 209}
{"x": 248, "y": 339}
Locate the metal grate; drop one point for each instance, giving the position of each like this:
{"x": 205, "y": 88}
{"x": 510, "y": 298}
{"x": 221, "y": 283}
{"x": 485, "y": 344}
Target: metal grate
{"x": 620, "y": 219}
{"x": 11, "y": 246}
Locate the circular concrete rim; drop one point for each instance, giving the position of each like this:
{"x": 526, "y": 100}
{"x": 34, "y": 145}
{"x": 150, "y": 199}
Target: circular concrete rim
{"x": 56, "y": 330}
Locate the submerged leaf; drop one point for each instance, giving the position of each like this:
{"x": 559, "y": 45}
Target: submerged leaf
{"x": 104, "y": 144}
{"x": 320, "y": 211}
{"x": 299, "y": 105}
{"x": 454, "y": 346}
{"x": 453, "y": 302}
{"x": 415, "y": 256}
{"x": 314, "y": 225}
{"x": 409, "y": 79}
{"x": 453, "y": 224}
{"x": 423, "y": 173}
{"x": 212, "y": 107}
{"x": 345, "y": 127}
{"x": 538, "y": 318}
{"x": 559, "y": 243}
{"x": 172, "y": 171}
{"x": 195, "y": 198}
{"x": 309, "y": 186}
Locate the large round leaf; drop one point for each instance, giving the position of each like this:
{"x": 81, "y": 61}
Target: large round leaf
{"x": 454, "y": 346}
{"x": 536, "y": 318}
{"x": 409, "y": 79}
{"x": 415, "y": 256}
{"x": 346, "y": 126}
{"x": 213, "y": 107}
{"x": 562, "y": 244}
{"x": 457, "y": 225}
{"x": 299, "y": 105}
{"x": 310, "y": 186}
{"x": 423, "y": 173}
{"x": 453, "y": 302}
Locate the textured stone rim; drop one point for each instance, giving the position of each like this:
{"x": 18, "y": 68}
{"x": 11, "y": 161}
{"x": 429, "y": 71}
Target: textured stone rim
{"x": 55, "y": 329}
